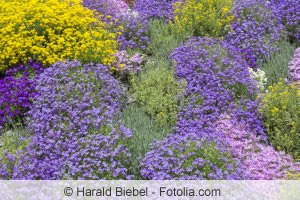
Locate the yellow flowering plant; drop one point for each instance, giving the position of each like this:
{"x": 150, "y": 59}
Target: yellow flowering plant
{"x": 281, "y": 112}
{"x": 203, "y": 18}
{"x": 51, "y": 31}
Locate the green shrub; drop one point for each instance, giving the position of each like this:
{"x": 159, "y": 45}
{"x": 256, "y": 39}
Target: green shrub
{"x": 144, "y": 130}
{"x": 164, "y": 38}
{"x": 158, "y": 92}
{"x": 204, "y": 18}
{"x": 11, "y": 142}
{"x": 281, "y": 112}
{"x": 277, "y": 66}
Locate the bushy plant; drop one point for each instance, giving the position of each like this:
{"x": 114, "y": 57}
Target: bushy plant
{"x": 294, "y": 68}
{"x": 159, "y": 93}
{"x": 289, "y": 13}
{"x": 12, "y": 142}
{"x": 51, "y": 31}
{"x": 256, "y": 30}
{"x": 72, "y": 119}
{"x": 17, "y": 91}
{"x": 189, "y": 157}
{"x": 135, "y": 31}
{"x": 259, "y": 161}
{"x": 204, "y": 18}
{"x": 281, "y": 111}
{"x": 276, "y": 67}
{"x": 151, "y": 9}
{"x": 164, "y": 38}
{"x": 144, "y": 131}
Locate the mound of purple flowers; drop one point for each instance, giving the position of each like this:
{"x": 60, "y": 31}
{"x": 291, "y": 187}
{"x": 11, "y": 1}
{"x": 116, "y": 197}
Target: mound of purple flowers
{"x": 189, "y": 157}
{"x": 72, "y": 121}
{"x": 150, "y": 9}
{"x": 113, "y": 8}
{"x": 256, "y": 30}
{"x": 294, "y": 68}
{"x": 289, "y": 12}
{"x": 260, "y": 161}
{"x": 117, "y": 12}
{"x": 17, "y": 91}
{"x": 217, "y": 81}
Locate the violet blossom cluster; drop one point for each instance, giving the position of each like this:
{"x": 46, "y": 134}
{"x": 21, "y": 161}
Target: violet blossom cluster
{"x": 118, "y": 14}
{"x": 135, "y": 31}
{"x": 76, "y": 135}
{"x": 294, "y": 68}
{"x": 126, "y": 64}
{"x": 17, "y": 91}
{"x": 150, "y": 9}
{"x": 189, "y": 157}
{"x": 259, "y": 160}
{"x": 113, "y": 8}
{"x": 289, "y": 12}
{"x": 218, "y": 81}
{"x": 256, "y": 30}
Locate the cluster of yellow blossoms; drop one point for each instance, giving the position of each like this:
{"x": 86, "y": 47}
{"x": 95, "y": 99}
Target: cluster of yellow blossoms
{"x": 51, "y": 31}
{"x": 205, "y": 17}
{"x": 281, "y": 111}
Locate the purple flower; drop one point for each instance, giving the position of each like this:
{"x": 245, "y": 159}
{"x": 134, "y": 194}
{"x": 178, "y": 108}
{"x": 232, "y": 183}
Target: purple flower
{"x": 73, "y": 121}
{"x": 17, "y": 90}
{"x": 256, "y": 30}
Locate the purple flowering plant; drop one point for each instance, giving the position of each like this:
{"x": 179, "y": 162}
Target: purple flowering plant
{"x": 17, "y": 90}
{"x": 126, "y": 65}
{"x": 260, "y": 161}
{"x": 256, "y": 30}
{"x": 189, "y": 157}
{"x": 150, "y": 9}
{"x": 289, "y": 13}
{"x": 75, "y": 135}
{"x": 294, "y": 68}
{"x": 120, "y": 17}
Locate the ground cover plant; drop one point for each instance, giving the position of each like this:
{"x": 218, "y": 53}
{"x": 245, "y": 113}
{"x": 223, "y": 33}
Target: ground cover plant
{"x": 149, "y": 89}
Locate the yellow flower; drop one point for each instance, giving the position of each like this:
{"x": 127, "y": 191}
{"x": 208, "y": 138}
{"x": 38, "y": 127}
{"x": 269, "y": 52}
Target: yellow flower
{"x": 52, "y": 31}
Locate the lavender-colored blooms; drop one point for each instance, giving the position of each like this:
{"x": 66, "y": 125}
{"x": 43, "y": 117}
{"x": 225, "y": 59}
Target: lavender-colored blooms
{"x": 150, "y": 9}
{"x": 17, "y": 91}
{"x": 113, "y": 8}
{"x": 126, "y": 64}
{"x": 135, "y": 31}
{"x": 289, "y": 13}
{"x": 256, "y": 29}
{"x": 259, "y": 160}
{"x": 4, "y": 174}
{"x": 117, "y": 13}
{"x": 75, "y": 134}
{"x": 294, "y": 68}
{"x": 189, "y": 157}
{"x": 217, "y": 81}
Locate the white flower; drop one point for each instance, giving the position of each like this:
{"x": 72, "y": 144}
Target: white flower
{"x": 259, "y": 77}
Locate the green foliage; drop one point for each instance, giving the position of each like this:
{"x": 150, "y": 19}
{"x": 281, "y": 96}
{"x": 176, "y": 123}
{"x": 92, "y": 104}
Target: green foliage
{"x": 158, "y": 92}
{"x": 164, "y": 38}
{"x": 145, "y": 131}
{"x": 204, "y": 18}
{"x": 281, "y": 112}
{"x": 277, "y": 66}
{"x": 210, "y": 153}
{"x": 11, "y": 142}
